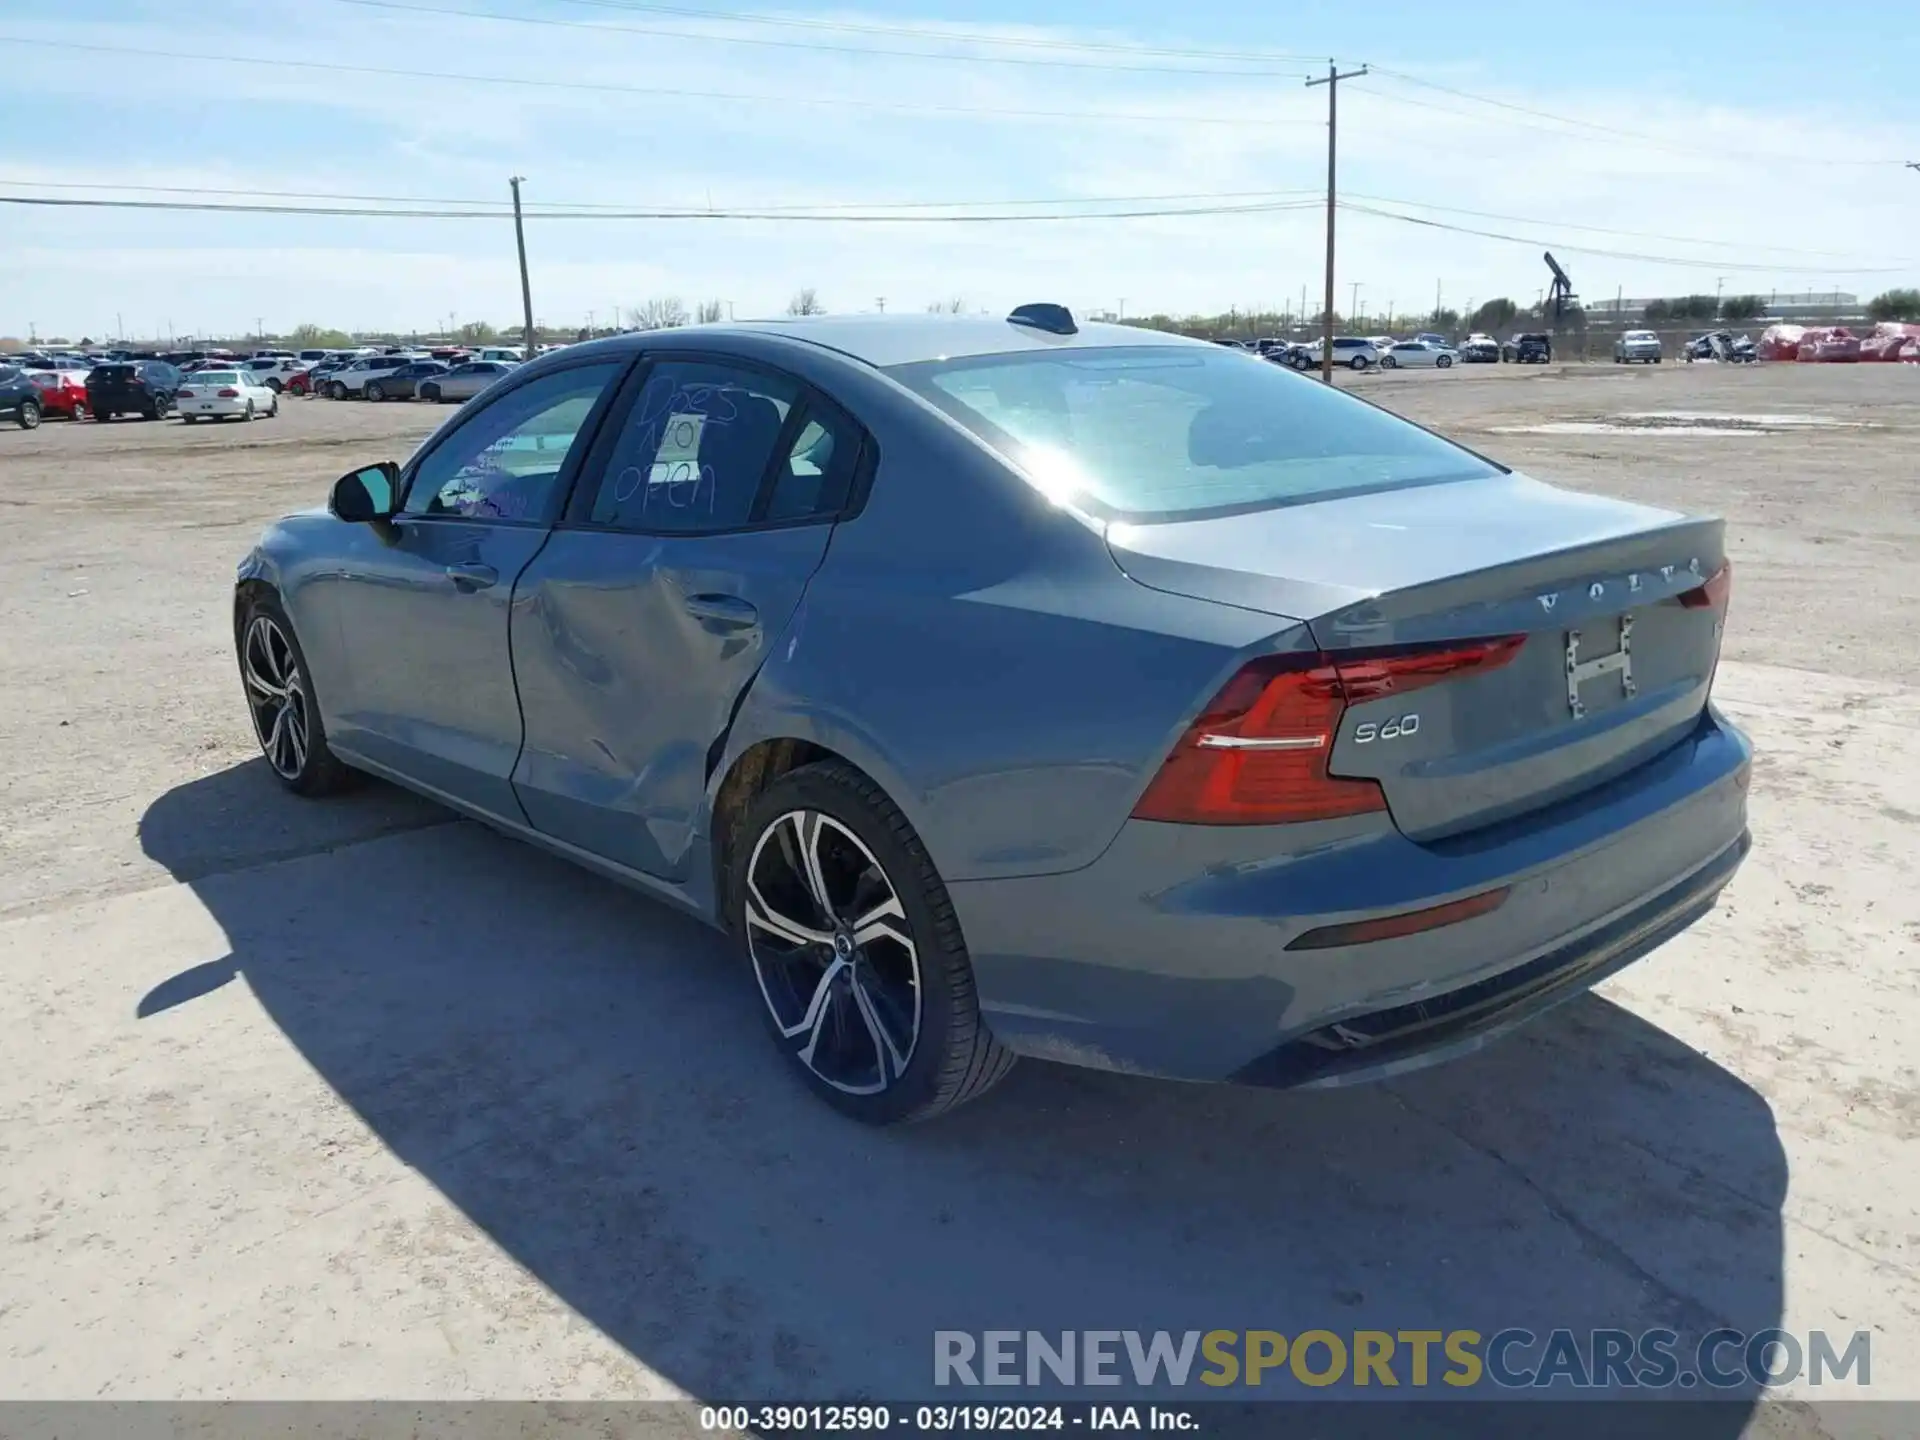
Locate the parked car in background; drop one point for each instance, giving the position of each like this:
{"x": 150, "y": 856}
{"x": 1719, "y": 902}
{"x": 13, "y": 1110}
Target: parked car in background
{"x": 273, "y": 371}
{"x": 1379, "y": 778}
{"x": 504, "y": 354}
{"x": 1529, "y": 347}
{"x": 1428, "y": 337}
{"x": 1292, "y": 354}
{"x": 462, "y": 382}
{"x": 403, "y": 383}
{"x": 1480, "y": 348}
{"x": 62, "y": 392}
{"x": 236, "y": 394}
{"x": 132, "y": 387}
{"x": 19, "y": 397}
{"x": 1417, "y": 354}
{"x": 351, "y": 379}
{"x": 1636, "y": 347}
{"x": 1352, "y": 351}
{"x": 312, "y": 357}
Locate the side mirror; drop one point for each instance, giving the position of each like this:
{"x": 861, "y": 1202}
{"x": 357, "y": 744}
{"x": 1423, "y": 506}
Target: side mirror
{"x": 370, "y": 494}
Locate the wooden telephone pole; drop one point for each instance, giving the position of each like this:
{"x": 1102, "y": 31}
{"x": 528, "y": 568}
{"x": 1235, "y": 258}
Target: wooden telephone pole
{"x": 520, "y": 239}
{"x": 1332, "y": 81}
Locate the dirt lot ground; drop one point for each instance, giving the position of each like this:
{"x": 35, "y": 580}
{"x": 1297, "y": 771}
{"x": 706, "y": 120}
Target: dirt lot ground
{"x": 354, "y": 1099}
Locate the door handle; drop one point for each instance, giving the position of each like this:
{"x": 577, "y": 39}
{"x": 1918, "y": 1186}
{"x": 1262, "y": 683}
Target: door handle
{"x": 727, "y": 610}
{"x": 471, "y": 575}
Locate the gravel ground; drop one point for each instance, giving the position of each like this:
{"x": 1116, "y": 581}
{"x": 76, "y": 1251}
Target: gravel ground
{"x": 355, "y": 1099}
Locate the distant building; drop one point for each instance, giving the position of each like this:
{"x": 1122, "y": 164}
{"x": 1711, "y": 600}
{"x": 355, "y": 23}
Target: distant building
{"x": 1781, "y": 305}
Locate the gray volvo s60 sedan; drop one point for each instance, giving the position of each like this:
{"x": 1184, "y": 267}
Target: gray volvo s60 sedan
{"x": 1018, "y": 687}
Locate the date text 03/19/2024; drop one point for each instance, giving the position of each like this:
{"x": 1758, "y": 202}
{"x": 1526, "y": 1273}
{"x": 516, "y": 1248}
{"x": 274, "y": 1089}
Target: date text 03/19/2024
{"x": 943, "y": 1419}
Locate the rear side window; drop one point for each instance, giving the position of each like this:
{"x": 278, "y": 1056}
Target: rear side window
{"x": 1146, "y": 433}
{"x": 694, "y": 449}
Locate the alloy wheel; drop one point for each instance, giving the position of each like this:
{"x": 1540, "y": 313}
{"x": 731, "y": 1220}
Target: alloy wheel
{"x": 830, "y": 946}
{"x": 276, "y": 696}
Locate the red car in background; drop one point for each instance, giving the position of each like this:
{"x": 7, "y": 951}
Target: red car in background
{"x": 298, "y": 383}
{"x": 62, "y": 392}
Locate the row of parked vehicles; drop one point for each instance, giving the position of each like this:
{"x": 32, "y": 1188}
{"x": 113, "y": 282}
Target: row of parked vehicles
{"x": 219, "y": 385}
{"x": 1425, "y": 350}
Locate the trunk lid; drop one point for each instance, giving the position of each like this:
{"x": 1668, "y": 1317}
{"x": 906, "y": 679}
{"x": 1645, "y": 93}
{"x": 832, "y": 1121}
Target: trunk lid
{"x": 1575, "y": 579}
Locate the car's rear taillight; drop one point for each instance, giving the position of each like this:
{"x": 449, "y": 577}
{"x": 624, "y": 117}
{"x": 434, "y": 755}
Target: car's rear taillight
{"x": 1257, "y": 755}
{"x": 183, "y": 394}
{"x": 1714, "y": 593}
{"x": 228, "y": 394}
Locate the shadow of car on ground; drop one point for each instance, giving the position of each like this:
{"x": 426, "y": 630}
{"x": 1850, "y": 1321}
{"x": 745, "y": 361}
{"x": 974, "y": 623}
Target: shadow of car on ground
{"x": 583, "y": 1073}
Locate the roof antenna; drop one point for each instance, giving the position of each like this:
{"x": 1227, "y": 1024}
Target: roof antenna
{"x": 1054, "y": 319}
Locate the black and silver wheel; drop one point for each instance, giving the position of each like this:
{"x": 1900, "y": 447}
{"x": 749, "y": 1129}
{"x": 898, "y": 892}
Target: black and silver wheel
{"x": 1387, "y": 362}
{"x": 247, "y": 414}
{"x": 374, "y": 392}
{"x": 1444, "y": 362}
{"x": 28, "y": 415}
{"x": 855, "y": 950}
{"x": 337, "y": 390}
{"x": 1359, "y": 362}
{"x": 286, "y": 721}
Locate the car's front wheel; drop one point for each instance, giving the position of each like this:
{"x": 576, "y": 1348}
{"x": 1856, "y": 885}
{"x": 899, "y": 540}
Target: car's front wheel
{"x": 853, "y": 945}
{"x": 430, "y": 392}
{"x": 280, "y": 700}
{"x": 1387, "y": 362}
{"x": 1444, "y": 362}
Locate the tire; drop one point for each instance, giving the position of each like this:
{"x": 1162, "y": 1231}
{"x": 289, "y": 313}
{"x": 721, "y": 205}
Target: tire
{"x": 374, "y": 392}
{"x": 1443, "y": 362}
{"x": 337, "y": 391}
{"x": 27, "y": 417}
{"x": 101, "y": 416}
{"x": 1655, "y": 360}
{"x": 275, "y": 384}
{"x": 189, "y": 419}
{"x": 246, "y": 416}
{"x": 844, "y": 1035}
{"x": 1358, "y": 362}
{"x": 430, "y": 392}
{"x": 1387, "y": 362}
{"x": 300, "y": 759}
{"x": 273, "y": 410}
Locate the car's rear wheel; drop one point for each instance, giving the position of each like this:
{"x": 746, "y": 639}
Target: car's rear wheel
{"x": 27, "y": 417}
{"x": 1359, "y": 362}
{"x": 430, "y": 392}
{"x": 337, "y": 390}
{"x": 286, "y": 718}
{"x": 854, "y": 947}
{"x": 274, "y": 384}
{"x": 247, "y": 414}
{"x": 189, "y": 419}
{"x": 374, "y": 392}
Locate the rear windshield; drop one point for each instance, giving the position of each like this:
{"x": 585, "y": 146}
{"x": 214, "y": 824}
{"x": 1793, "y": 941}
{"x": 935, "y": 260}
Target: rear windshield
{"x": 213, "y": 377}
{"x": 112, "y": 372}
{"x": 1163, "y": 433}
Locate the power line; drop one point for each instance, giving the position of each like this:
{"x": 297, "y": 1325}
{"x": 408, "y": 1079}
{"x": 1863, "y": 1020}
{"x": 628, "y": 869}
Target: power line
{"x": 1688, "y": 262}
{"x": 922, "y": 32}
{"x": 813, "y": 45}
{"x": 1608, "y": 230}
{"x": 657, "y": 92}
{"x": 1652, "y": 141}
{"x": 689, "y": 211}
{"x": 820, "y": 217}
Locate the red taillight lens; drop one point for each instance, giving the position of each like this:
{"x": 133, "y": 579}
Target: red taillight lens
{"x": 183, "y": 394}
{"x": 228, "y": 394}
{"x": 1257, "y": 755}
{"x": 1714, "y": 594}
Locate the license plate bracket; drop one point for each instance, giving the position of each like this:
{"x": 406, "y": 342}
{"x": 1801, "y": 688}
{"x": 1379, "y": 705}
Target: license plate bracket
{"x": 1580, "y": 671}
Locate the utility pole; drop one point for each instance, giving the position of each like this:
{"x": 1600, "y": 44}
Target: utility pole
{"x": 1123, "y": 307}
{"x": 881, "y": 301}
{"x": 520, "y": 239}
{"x": 1353, "y": 310}
{"x": 1332, "y": 82}
{"x": 1436, "y": 304}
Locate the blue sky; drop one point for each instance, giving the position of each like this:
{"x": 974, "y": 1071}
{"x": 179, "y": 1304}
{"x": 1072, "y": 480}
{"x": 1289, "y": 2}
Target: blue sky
{"x": 1763, "y": 146}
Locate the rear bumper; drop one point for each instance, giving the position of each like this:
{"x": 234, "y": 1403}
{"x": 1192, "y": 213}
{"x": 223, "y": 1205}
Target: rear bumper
{"x": 1169, "y": 956}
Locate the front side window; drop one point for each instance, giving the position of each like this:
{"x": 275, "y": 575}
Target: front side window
{"x": 504, "y": 462}
{"x": 694, "y": 449}
{"x": 1146, "y": 433}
